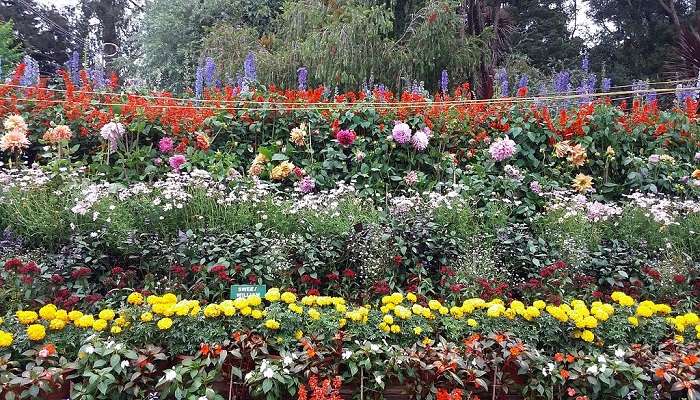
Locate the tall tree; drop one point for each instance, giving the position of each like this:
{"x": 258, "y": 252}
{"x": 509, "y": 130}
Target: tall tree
{"x": 45, "y": 32}
{"x": 543, "y": 33}
{"x": 10, "y": 49}
{"x": 637, "y": 38}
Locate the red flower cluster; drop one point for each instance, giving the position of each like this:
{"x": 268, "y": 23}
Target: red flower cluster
{"x": 549, "y": 270}
{"x": 325, "y": 390}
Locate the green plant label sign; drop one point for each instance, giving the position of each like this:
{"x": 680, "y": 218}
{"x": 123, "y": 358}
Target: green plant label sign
{"x": 238, "y": 291}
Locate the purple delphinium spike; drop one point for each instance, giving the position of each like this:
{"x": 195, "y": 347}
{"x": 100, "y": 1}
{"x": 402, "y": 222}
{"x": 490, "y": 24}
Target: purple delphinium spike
{"x": 302, "y": 78}
{"x": 444, "y": 81}
{"x": 97, "y": 76}
{"x": 562, "y": 82}
{"x": 605, "y": 85}
{"x": 585, "y": 63}
{"x": 31, "y": 72}
{"x": 209, "y": 72}
{"x": 523, "y": 81}
{"x": 249, "y": 68}
{"x": 502, "y": 78}
{"x": 199, "y": 83}
{"x": 73, "y": 66}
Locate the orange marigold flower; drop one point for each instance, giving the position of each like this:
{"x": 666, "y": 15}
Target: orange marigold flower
{"x": 570, "y": 358}
{"x": 558, "y": 357}
{"x": 690, "y": 359}
{"x": 660, "y": 372}
{"x": 564, "y": 374}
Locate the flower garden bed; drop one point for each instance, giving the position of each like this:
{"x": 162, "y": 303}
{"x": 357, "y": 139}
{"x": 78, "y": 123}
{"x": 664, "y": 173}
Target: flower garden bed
{"x": 402, "y": 246}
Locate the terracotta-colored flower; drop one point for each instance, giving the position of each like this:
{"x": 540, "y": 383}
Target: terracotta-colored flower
{"x": 564, "y": 374}
{"x": 558, "y": 357}
{"x": 570, "y": 358}
{"x": 660, "y": 372}
{"x": 58, "y": 134}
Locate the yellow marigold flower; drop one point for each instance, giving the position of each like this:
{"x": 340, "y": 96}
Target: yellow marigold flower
{"x": 417, "y": 309}
{"x": 444, "y": 310}
{"x": 115, "y": 330}
{"x": 314, "y": 314}
{"x": 456, "y": 312}
{"x": 26, "y": 317}
{"x": 57, "y": 324}
{"x": 106, "y": 314}
{"x": 587, "y": 336}
{"x": 427, "y": 341}
{"x": 36, "y": 332}
{"x": 212, "y": 311}
{"x": 590, "y": 322}
{"x": 427, "y": 314}
{"x": 388, "y": 319}
{"x": 417, "y": 330}
{"x": 135, "y": 298}
{"x": 495, "y": 311}
{"x": 341, "y": 308}
{"x": 342, "y": 322}
{"x": 272, "y": 324}
{"x": 509, "y": 313}
{"x": 679, "y": 338}
{"x": 165, "y": 323}
{"x": 397, "y": 298}
{"x": 121, "y": 322}
{"x": 99, "y": 325}
{"x": 663, "y": 309}
{"x": 147, "y": 317}
{"x": 256, "y": 314}
{"x": 85, "y": 321}
{"x": 517, "y": 305}
{"x": 288, "y": 297}
{"x": 395, "y": 329}
{"x": 169, "y": 298}
{"x": 246, "y": 311}
{"x": 62, "y": 315}
{"x": 472, "y": 322}
{"x": 195, "y": 311}
{"x": 434, "y": 305}
{"x": 633, "y": 321}
{"x": 539, "y": 304}
{"x": 75, "y": 315}
{"x": 48, "y": 312}
{"x": 298, "y": 334}
{"x": 296, "y": 308}
{"x": 254, "y": 300}
{"x": 6, "y": 339}
{"x": 273, "y": 295}
{"x": 411, "y": 297}
{"x": 691, "y": 318}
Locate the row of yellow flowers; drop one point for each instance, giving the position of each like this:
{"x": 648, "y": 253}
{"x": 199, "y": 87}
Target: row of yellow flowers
{"x": 160, "y": 311}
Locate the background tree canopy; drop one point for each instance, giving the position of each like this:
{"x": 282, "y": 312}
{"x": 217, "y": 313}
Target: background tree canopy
{"x": 348, "y": 43}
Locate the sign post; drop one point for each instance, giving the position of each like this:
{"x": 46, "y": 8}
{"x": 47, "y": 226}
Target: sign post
{"x": 243, "y": 291}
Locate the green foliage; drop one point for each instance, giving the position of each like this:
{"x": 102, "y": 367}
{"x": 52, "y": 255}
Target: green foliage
{"x": 10, "y": 49}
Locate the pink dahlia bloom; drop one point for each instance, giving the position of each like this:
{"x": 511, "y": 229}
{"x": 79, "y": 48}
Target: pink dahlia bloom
{"x": 176, "y": 161}
{"x": 502, "y": 149}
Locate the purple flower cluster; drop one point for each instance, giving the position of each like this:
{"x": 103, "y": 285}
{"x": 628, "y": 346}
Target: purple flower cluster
{"x": 562, "y": 82}
{"x": 97, "y": 76}
{"x": 411, "y": 178}
{"x": 605, "y": 85}
{"x": 302, "y": 78}
{"x": 502, "y": 149}
{"x": 31, "y": 72}
{"x": 536, "y": 187}
{"x": 73, "y": 67}
{"x": 249, "y": 69}
{"x": 585, "y": 63}
{"x": 209, "y": 72}
{"x": 401, "y": 133}
{"x": 444, "y": 80}
{"x": 502, "y": 79}
{"x": 307, "y": 184}
{"x": 199, "y": 82}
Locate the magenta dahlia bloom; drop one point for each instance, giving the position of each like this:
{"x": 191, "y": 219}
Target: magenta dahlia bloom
{"x": 401, "y": 133}
{"x": 165, "y": 145}
{"x": 346, "y": 137}
{"x": 502, "y": 149}
{"x": 176, "y": 161}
